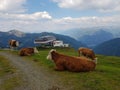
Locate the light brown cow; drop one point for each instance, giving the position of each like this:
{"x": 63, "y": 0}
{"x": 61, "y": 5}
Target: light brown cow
{"x": 28, "y": 51}
{"x": 71, "y": 63}
{"x": 89, "y": 53}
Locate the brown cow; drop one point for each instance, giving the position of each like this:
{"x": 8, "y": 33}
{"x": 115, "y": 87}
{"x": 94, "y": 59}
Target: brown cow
{"x": 13, "y": 43}
{"x": 89, "y": 53}
{"x": 28, "y": 51}
{"x": 71, "y": 63}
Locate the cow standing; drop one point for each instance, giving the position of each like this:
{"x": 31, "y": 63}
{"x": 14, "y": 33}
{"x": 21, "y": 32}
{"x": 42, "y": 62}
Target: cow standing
{"x": 13, "y": 44}
{"x": 89, "y": 53}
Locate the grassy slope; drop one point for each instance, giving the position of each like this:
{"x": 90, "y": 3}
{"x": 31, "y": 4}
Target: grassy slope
{"x": 105, "y": 77}
{"x": 8, "y": 79}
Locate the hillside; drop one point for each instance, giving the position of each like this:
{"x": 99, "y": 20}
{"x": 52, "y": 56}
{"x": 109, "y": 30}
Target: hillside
{"x": 111, "y": 48}
{"x": 96, "y": 38}
{"x": 27, "y": 39}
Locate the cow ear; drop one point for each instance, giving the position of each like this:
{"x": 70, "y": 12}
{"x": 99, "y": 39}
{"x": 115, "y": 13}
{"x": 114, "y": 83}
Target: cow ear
{"x": 52, "y": 50}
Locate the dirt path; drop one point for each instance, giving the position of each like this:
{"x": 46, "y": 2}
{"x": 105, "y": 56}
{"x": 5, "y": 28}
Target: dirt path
{"x": 34, "y": 78}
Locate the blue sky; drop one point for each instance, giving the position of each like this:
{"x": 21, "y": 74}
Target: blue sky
{"x": 54, "y": 15}
{"x": 57, "y": 12}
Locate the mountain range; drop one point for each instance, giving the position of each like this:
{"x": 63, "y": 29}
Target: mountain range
{"x": 27, "y": 39}
{"x": 93, "y": 36}
{"x": 80, "y": 32}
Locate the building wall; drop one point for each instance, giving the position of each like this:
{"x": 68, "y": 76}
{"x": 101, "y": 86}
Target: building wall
{"x": 58, "y": 44}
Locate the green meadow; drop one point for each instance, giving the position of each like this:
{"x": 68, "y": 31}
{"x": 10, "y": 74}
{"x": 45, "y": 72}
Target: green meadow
{"x": 106, "y": 76}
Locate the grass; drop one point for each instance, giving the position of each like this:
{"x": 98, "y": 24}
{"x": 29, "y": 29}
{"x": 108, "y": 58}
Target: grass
{"x": 5, "y": 67}
{"x": 11, "y": 83}
{"x": 8, "y": 81}
{"x": 105, "y": 77}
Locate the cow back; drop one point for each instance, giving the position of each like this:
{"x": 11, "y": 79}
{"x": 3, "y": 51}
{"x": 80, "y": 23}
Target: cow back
{"x": 26, "y": 51}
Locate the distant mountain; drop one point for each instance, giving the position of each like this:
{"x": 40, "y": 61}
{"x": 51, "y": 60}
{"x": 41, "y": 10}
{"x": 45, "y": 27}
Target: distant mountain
{"x": 111, "y": 48}
{"x": 96, "y": 38}
{"x": 27, "y": 39}
{"x": 80, "y": 32}
{"x": 16, "y": 33}
{"x": 77, "y": 33}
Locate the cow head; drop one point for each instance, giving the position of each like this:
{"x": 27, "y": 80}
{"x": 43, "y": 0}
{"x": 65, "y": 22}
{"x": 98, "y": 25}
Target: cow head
{"x": 35, "y": 50}
{"x": 95, "y": 60}
{"x": 17, "y": 43}
{"x": 50, "y": 55}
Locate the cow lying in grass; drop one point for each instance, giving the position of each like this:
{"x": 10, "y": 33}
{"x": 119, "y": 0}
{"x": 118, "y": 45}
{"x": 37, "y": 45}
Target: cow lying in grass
{"x": 89, "y": 53}
{"x": 28, "y": 51}
{"x": 71, "y": 63}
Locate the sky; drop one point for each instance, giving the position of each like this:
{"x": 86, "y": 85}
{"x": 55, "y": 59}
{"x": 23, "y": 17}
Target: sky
{"x": 58, "y": 15}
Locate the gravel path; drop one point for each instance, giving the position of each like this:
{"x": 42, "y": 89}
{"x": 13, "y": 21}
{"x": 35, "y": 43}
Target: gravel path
{"x": 35, "y": 78}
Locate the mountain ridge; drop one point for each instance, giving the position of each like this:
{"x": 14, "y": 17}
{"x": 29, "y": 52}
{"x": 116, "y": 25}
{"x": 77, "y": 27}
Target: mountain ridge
{"x": 96, "y": 38}
{"x": 16, "y": 33}
{"x": 27, "y": 39}
{"x": 110, "y": 47}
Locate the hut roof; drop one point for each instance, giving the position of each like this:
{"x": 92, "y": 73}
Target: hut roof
{"x": 44, "y": 39}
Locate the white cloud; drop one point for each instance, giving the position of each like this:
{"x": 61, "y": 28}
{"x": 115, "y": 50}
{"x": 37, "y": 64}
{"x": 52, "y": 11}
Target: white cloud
{"x": 86, "y": 22}
{"x": 42, "y": 21}
{"x": 12, "y": 6}
{"x": 34, "y": 16}
{"x": 100, "y": 5}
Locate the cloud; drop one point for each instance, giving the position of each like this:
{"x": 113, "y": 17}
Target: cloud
{"x": 13, "y": 16}
{"x": 42, "y": 21}
{"x": 86, "y": 22}
{"x": 12, "y": 6}
{"x": 35, "y": 22}
{"x": 100, "y": 5}
{"x": 33, "y": 16}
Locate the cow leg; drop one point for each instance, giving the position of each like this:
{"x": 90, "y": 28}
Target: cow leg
{"x": 59, "y": 68}
{"x": 15, "y": 48}
{"x": 11, "y": 48}
{"x": 27, "y": 54}
{"x": 80, "y": 53}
